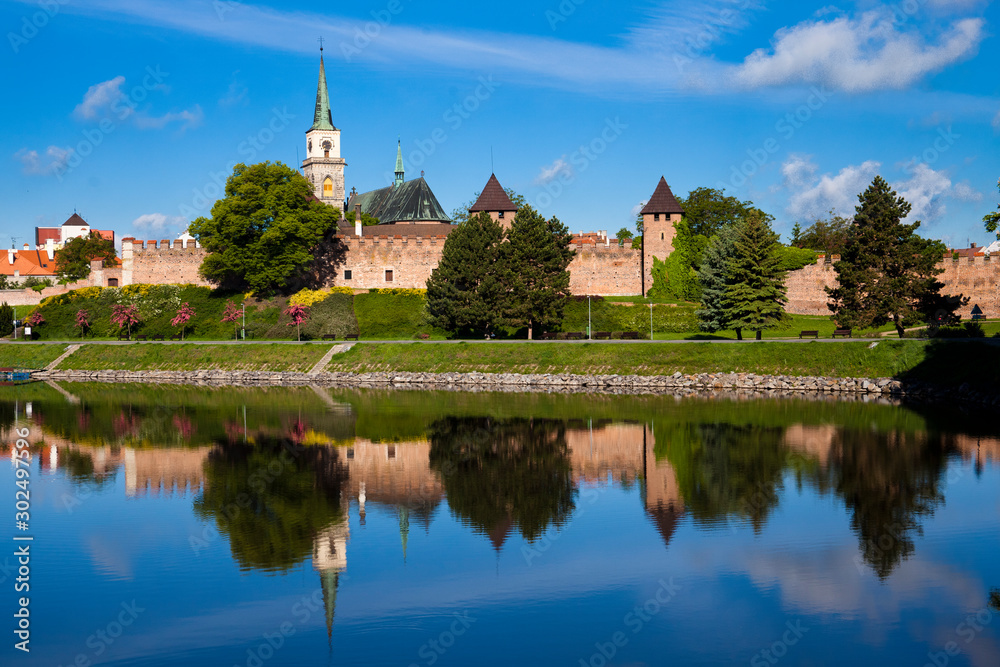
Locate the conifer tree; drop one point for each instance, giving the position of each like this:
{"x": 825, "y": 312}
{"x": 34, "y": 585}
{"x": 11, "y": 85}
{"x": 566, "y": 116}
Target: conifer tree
{"x": 714, "y": 276}
{"x": 754, "y": 295}
{"x": 887, "y": 273}
{"x": 464, "y": 289}
{"x": 534, "y": 271}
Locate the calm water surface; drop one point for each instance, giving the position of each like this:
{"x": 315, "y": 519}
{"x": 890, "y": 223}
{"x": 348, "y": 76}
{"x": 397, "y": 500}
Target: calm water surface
{"x": 185, "y": 526}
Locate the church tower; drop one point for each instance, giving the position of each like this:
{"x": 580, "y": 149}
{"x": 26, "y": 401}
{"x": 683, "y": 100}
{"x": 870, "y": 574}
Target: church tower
{"x": 323, "y": 166}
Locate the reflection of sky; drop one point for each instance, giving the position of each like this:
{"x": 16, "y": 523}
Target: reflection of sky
{"x": 737, "y": 591}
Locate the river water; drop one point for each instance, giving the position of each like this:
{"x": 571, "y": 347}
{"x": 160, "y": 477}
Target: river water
{"x": 299, "y": 526}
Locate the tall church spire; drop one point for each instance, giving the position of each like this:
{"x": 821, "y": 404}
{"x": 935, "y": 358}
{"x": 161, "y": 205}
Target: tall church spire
{"x": 323, "y": 119}
{"x": 399, "y": 164}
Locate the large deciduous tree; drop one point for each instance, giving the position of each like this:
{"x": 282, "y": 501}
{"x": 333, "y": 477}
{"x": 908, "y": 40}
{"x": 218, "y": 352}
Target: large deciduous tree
{"x": 263, "y": 234}
{"x": 708, "y": 210}
{"x": 73, "y": 259}
{"x": 534, "y": 265}
{"x": 464, "y": 289}
{"x": 887, "y": 273}
{"x": 829, "y": 235}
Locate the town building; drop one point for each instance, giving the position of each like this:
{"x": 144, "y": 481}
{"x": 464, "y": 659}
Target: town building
{"x": 74, "y": 227}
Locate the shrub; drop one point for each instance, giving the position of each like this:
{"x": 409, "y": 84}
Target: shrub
{"x": 6, "y": 320}
{"x": 393, "y": 314}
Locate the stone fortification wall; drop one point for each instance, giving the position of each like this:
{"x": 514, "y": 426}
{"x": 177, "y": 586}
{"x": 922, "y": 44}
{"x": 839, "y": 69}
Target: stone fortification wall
{"x": 975, "y": 277}
{"x": 166, "y": 263}
{"x": 369, "y": 259}
{"x": 600, "y": 269}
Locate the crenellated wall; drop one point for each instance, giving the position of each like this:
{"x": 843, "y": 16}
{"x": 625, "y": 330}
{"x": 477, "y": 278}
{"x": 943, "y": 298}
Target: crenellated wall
{"x": 146, "y": 262}
{"x": 975, "y": 277}
{"x": 410, "y": 258}
{"x": 605, "y": 269}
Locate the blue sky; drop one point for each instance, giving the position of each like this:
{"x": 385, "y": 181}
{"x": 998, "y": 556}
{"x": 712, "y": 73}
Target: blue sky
{"x": 133, "y": 112}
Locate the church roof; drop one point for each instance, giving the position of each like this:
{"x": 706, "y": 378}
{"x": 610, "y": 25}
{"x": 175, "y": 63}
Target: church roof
{"x": 411, "y": 201}
{"x": 663, "y": 200}
{"x": 75, "y": 221}
{"x": 323, "y": 118}
{"x": 493, "y": 198}
{"x": 399, "y": 158}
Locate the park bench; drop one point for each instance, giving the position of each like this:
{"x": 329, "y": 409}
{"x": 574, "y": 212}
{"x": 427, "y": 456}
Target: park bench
{"x": 842, "y": 332}
{"x": 158, "y": 337}
{"x": 814, "y": 334}
{"x": 141, "y": 337}
{"x": 351, "y": 337}
{"x": 122, "y": 335}
{"x": 602, "y": 335}
{"x": 548, "y": 335}
{"x": 329, "y": 336}
{"x": 575, "y": 335}
{"x": 630, "y": 335}
{"x": 175, "y": 337}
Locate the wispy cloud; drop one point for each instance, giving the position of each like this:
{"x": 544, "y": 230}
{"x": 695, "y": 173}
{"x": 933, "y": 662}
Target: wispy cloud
{"x": 158, "y": 222}
{"x": 53, "y": 162}
{"x": 100, "y": 98}
{"x": 553, "y": 171}
{"x": 188, "y": 118}
{"x": 236, "y": 94}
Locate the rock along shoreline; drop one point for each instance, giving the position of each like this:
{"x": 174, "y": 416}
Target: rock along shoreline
{"x": 886, "y": 388}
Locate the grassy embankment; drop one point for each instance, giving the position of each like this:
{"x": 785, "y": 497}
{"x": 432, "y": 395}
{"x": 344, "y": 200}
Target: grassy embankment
{"x": 153, "y": 357}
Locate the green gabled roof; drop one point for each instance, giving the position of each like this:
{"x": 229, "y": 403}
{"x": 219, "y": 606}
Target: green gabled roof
{"x": 412, "y": 201}
{"x": 323, "y": 118}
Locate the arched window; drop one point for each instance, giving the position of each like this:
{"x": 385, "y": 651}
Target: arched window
{"x": 326, "y": 148}
{"x": 328, "y": 187}
{"x": 661, "y": 236}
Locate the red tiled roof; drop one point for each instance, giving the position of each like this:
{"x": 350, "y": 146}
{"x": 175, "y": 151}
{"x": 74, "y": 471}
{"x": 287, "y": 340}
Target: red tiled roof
{"x": 27, "y": 263}
{"x": 493, "y": 198}
{"x": 663, "y": 200}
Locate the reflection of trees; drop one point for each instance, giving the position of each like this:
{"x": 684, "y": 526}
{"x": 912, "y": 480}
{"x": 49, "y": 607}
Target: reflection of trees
{"x": 887, "y": 480}
{"x": 725, "y": 470}
{"x": 504, "y": 473}
{"x": 271, "y": 499}
{"x": 79, "y": 468}
{"x": 995, "y": 599}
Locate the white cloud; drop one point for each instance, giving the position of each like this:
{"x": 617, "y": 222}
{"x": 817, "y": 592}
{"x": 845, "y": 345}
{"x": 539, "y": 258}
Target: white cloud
{"x": 966, "y": 192}
{"x": 996, "y": 121}
{"x": 924, "y": 190}
{"x": 100, "y": 98}
{"x": 813, "y": 197}
{"x": 54, "y": 161}
{"x": 856, "y": 55}
{"x": 553, "y": 171}
{"x": 187, "y": 119}
{"x": 158, "y": 222}
{"x": 236, "y": 95}
{"x": 637, "y": 209}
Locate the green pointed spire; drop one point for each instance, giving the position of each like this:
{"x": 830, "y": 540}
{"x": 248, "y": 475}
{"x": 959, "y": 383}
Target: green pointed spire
{"x": 399, "y": 163}
{"x": 323, "y": 119}
{"x": 329, "y": 581}
{"x": 404, "y": 528}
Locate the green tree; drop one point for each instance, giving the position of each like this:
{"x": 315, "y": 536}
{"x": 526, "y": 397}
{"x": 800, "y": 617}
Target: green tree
{"x": 825, "y": 235}
{"x": 714, "y": 278}
{"x": 624, "y": 235}
{"x": 6, "y": 320}
{"x": 262, "y": 235}
{"x": 887, "y": 273}
{"x": 534, "y": 271}
{"x": 793, "y": 258}
{"x": 73, "y": 259}
{"x": 463, "y": 291}
{"x": 992, "y": 220}
{"x": 461, "y": 214}
{"x": 796, "y": 235}
{"x": 676, "y": 277}
{"x": 366, "y": 220}
{"x": 709, "y": 210}
{"x": 754, "y": 296}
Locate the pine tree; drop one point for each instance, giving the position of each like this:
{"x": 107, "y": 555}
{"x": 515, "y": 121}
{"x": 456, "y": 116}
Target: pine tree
{"x": 796, "y": 235}
{"x": 534, "y": 271}
{"x": 887, "y": 273}
{"x": 713, "y": 276}
{"x": 464, "y": 290}
{"x": 754, "y": 295}
{"x": 6, "y": 320}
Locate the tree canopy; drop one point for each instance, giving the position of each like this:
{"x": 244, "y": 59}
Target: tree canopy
{"x": 676, "y": 276}
{"x": 992, "y": 220}
{"x": 887, "y": 273}
{"x": 708, "y": 210}
{"x": 73, "y": 259}
{"x": 263, "y": 234}
{"x": 825, "y": 235}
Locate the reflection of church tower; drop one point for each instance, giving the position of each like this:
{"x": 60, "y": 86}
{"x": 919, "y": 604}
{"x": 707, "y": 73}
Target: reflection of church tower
{"x": 330, "y": 559}
{"x": 323, "y": 166}
{"x": 404, "y": 527}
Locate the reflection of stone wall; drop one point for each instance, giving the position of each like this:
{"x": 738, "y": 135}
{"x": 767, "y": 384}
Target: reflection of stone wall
{"x": 164, "y": 471}
{"x": 397, "y": 473}
{"x": 812, "y": 441}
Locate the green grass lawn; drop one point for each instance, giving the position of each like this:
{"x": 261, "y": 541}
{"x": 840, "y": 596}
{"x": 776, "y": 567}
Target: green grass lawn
{"x": 154, "y": 357}
{"x": 29, "y": 355}
{"x": 942, "y": 361}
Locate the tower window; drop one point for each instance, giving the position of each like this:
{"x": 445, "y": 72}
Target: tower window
{"x": 310, "y": 146}
{"x": 328, "y": 187}
{"x": 501, "y": 215}
{"x": 661, "y": 236}
{"x": 656, "y": 217}
{"x": 348, "y": 274}
{"x": 388, "y": 275}
{"x": 112, "y": 282}
{"x": 326, "y": 149}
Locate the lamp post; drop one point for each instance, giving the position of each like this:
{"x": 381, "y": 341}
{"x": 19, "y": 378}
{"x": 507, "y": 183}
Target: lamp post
{"x": 590, "y": 329}
{"x": 650, "y": 320}
{"x": 244, "y": 331}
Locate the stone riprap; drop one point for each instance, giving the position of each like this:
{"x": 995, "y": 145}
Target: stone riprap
{"x": 678, "y": 383}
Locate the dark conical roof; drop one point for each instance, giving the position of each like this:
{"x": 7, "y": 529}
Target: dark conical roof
{"x": 665, "y": 517}
{"x": 75, "y": 221}
{"x": 493, "y": 198}
{"x": 663, "y": 200}
{"x": 323, "y": 118}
